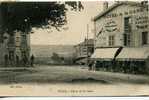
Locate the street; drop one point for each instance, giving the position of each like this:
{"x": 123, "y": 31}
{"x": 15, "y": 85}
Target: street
{"x": 69, "y": 81}
{"x": 66, "y": 74}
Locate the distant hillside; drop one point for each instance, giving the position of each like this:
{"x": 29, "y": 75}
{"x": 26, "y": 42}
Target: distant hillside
{"x": 47, "y": 50}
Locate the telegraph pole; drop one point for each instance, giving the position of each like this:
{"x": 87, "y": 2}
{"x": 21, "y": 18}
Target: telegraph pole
{"x": 87, "y": 45}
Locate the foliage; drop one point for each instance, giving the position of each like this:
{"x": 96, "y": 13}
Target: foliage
{"x": 23, "y": 16}
{"x": 55, "y": 57}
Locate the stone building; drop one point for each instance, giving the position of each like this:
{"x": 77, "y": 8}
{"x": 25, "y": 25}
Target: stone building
{"x": 122, "y": 32}
{"x": 16, "y": 47}
{"x": 84, "y": 50}
{"x": 13, "y": 46}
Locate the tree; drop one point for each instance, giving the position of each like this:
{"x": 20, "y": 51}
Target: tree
{"x": 56, "y": 58}
{"x": 23, "y": 16}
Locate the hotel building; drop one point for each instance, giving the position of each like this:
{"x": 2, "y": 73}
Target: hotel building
{"x": 122, "y": 33}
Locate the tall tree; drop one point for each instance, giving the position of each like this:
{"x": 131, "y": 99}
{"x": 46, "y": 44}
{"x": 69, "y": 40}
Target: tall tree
{"x": 23, "y": 16}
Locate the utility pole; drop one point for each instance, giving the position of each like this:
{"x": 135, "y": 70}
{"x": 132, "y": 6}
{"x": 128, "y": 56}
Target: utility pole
{"x": 87, "y": 45}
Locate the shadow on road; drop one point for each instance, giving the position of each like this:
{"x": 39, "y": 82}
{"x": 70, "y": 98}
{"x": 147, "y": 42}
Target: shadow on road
{"x": 90, "y": 80}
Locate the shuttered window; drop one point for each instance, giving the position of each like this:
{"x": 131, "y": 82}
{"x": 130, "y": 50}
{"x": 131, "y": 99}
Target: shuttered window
{"x": 127, "y": 40}
{"x": 111, "y": 40}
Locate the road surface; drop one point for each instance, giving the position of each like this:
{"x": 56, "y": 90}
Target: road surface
{"x": 69, "y": 81}
{"x": 66, "y": 74}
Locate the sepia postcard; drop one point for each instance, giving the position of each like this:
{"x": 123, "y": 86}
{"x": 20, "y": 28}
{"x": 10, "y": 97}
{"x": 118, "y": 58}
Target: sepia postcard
{"x": 74, "y": 48}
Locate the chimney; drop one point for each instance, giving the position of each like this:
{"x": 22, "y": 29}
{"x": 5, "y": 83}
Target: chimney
{"x": 105, "y": 5}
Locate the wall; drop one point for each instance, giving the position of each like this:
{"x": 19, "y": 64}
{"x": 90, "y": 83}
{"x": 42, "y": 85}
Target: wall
{"x": 84, "y": 49}
{"x": 81, "y": 51}
{"x": 140, "y": 20}
{"x": 18, "y": 44}
{"x": 25, "y": 44}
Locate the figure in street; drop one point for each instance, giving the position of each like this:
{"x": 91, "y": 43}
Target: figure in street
{"x": 94, "y": 66}
{"x": 17, "y": 60}
{"x": 90, "y": 65}
{"x": 25, "y": 60}
{"x": 6, "y": 60}
{"x": 32, "y": 60}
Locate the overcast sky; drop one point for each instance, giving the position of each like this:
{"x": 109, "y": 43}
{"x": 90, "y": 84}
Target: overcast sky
{"x": 77, "y": 27}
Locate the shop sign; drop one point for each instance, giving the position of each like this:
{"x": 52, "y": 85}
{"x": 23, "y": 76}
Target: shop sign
{"x": 142, "y": 22}
{"x": 129, "y": 12}
{"x": 111, "y": 26}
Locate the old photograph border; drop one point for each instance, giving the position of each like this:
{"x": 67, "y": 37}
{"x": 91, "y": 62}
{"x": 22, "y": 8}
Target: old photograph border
{"x": 107, "y": 84}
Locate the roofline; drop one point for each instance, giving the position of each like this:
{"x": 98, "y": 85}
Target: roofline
{"x": 116, "y": 5}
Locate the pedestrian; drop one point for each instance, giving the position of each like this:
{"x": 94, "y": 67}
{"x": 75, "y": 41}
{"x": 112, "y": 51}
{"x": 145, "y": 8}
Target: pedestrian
{"x": 11, "y": 59}
{"x": 90, "y": 65}
{"x": 25, "y": 60}
{"x": 32, "y": 60}
{"x": 17, "y": 60}
{"x": 6, "y": 60}
{"x": 94, "y": 66}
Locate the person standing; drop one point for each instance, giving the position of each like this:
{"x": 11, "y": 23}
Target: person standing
{"x": 17, "y": 60}
{"x": 90, "y": 65}
{"x": 6, "y": 60}
{"x": 25, "y": 60}
{"x": 94, "y": 66}
{"x": 32, "y": 60}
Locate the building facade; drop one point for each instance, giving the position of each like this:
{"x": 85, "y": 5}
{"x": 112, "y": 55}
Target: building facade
{"x": 15, "y": 48}
{"x": 84, "y": 50}
{"x": 124, "y": 26}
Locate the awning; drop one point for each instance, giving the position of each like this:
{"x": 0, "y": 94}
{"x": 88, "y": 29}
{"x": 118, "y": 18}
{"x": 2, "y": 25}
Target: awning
{"x": 104, "y": 53}
{"x": 133, "y": 54}
{"x": 82, "y": 60}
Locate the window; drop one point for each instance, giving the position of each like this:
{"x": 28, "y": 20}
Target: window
{"x": 127, "y": 22}
{"x": 144, "y": 38}
{"x": 17, "y": 39}
{"x": 11, "y": 55}
{"x": 126, "y": 39}
{"x": 111, "y": 40}
{"x": 127, "y": 31}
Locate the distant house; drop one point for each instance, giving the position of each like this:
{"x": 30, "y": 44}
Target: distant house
{"x": 84, "y": 50}
{"x": 15, "y": 45}
{"x": 121, "y": 31}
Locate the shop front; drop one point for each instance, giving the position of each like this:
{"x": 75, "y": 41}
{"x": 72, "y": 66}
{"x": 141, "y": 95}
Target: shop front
{"x": 134, "y": 60}
{"x": 103, "y": 58}
{"x": 129, "y": 60}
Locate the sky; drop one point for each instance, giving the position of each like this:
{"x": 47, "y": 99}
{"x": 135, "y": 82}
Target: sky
{"x": 77, "y": 27}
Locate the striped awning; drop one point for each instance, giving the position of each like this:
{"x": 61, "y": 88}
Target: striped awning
{"x": 104, "y": 53}
{"x": 133, "y": 54}
{"x": 126, "y": 54}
